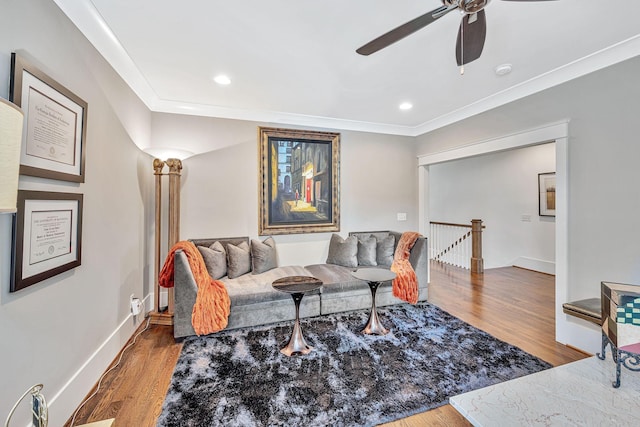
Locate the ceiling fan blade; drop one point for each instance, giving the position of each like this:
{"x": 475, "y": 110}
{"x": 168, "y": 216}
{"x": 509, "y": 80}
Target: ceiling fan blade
{"x": 404, "y": 30}
{"x": 471, "y": 37}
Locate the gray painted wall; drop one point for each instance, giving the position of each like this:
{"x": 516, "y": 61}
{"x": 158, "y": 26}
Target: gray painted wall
{"x": 219, "y": 189}
{"x": 51, "y": 329}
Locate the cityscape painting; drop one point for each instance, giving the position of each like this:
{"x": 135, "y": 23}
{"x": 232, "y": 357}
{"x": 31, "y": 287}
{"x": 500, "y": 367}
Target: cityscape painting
{"x": 299, "y": 184}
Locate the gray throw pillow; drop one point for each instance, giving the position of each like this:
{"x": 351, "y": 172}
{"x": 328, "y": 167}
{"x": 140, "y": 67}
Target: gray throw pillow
{"x": 215, "y": 258}
{"x": 343, "y": 251}
{"x": 367, "y": 251}
{"x": 384, "y": 250}
{"x": 263, "y": 255}
{"x": 238, "y": 260}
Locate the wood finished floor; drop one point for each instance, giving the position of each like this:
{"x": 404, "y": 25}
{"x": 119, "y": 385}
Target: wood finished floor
{"x": 512, "y": 304}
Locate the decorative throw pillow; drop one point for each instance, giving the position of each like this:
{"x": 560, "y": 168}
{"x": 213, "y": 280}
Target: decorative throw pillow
{"x": 343, "y": 251}
{"x": 263, "y": 255}
{"x": 367, "y": 251}
{"x": 384, "y": 250}
{"x": 238, "y": 260}
{"x": 215, "y": 258}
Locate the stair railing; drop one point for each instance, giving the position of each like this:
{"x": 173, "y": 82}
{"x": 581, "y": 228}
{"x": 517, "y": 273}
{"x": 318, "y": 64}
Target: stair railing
{"x": 457, "y": 244}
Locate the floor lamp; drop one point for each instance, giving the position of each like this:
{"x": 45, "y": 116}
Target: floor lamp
{"x": 165, "y": 317}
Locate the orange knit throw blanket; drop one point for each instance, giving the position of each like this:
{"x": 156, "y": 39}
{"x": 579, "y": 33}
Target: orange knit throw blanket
{"x": 405, "y": 285}
{"x": 211, "y": 310}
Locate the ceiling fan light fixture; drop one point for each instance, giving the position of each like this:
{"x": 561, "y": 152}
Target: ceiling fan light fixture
{"x": 503, "y": 69}
{"x": 472, "y": 6}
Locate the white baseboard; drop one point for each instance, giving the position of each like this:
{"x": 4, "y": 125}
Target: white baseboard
{"x": 580, "y": 334}
{"x": 542, "y": 266}
{"x": 65, "y": 402}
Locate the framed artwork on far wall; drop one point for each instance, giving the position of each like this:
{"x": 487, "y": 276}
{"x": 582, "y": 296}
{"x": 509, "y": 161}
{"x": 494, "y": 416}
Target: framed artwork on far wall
{"x": 47, "y": 236}
{"x": 299, "y": 181}
{"x": 547, "y": 194}
{"x": 54, "y": 135}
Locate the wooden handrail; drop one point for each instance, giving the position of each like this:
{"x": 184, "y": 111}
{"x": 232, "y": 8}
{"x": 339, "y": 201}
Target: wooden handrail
{"x": 451, "y": 224}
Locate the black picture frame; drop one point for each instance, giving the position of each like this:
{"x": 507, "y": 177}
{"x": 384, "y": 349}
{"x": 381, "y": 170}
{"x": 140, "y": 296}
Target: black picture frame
{"x": 54, "y": 136}
{"x": 547, "y": 194}
{"x": 299, "y": 176}
{"x": 47, "y": 236}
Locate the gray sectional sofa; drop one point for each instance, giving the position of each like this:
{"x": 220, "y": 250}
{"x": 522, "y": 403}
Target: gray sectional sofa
{"x": 255, "y": 302}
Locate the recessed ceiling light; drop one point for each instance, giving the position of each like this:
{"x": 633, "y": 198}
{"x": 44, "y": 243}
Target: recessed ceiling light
{"x": 503, "y": 69}
{"x": 406, "y": 106}
{"x": 222, "y": 79}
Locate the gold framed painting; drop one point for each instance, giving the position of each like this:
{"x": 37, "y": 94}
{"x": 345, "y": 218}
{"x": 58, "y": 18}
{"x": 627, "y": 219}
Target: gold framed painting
{"x": 299, "y": 181}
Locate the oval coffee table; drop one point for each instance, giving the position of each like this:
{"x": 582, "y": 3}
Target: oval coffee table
{"x": 297, "y": 286}
{"x": 374, "y": 277}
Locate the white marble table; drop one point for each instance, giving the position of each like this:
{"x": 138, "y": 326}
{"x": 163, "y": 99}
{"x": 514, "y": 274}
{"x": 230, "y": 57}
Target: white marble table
{"x": 575, "y": 394}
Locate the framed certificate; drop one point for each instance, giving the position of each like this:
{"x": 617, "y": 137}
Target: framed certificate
{"x": 54, "y": 134}
{"x": 47, "y": 236}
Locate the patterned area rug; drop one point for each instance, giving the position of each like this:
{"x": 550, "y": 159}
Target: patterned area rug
{"x": 240, "y": 378}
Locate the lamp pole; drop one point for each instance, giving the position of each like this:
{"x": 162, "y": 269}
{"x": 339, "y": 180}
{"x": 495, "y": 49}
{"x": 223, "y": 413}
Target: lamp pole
{"x": 175, "y": 167}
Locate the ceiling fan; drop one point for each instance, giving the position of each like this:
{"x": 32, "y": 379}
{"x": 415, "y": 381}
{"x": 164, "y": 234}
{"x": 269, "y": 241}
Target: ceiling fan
{"x": 471, "y": 34}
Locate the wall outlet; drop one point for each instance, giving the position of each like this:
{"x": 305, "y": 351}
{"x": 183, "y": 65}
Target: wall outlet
{"x": 136, "y": 305}
{"x": 402, "y": 216}
{"x": 525, "y": 218}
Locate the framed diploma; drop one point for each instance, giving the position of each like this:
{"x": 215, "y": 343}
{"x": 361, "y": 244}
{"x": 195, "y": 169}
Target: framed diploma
{"x": 47, "y": 236}
{"x": 55, "y": 126}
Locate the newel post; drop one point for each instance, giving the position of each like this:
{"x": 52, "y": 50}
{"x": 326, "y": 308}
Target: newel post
{"x": 477, "y": 264}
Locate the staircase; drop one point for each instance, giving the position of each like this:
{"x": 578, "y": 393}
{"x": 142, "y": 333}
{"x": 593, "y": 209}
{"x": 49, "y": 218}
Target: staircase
{"x": 457, "y": 244}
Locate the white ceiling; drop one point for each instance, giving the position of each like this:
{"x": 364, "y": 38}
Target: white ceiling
{"x": 294, "y": 61}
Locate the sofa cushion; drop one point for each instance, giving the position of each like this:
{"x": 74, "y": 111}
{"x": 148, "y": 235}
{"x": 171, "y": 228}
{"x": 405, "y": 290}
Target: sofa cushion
{"x": 343, "y": 252}
{"x": 367, "y": 251}
{"x": 257, "y": 288}
{"x": 263, "y": 255}
{"x": 238, "y": 260}
{"x": 215, "y": 258}
{"x": 385, "y": 250}
{"x": 337, "y": 279}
